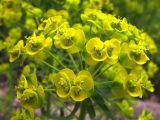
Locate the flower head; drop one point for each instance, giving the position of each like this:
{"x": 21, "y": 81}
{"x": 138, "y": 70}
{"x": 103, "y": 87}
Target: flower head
{"x": 137, "y": 54}
{"x": 36, "y": 43}
{"x": 32, "y": 98}
{"x": 62, "y": 82}
{"x": 113, "y": 50}
{"x": 97, "y": 49}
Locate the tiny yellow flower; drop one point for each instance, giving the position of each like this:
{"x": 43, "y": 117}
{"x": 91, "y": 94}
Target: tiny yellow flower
{"x": 82, "y": 87}
{"x": 36, "y": 43}
{"x": 84, "y": 80}
{"x": 15, "y": 52}
{"x": 97, "y": 49}
{"x": 137, "y": 54}
{"x": 63, "y": 81}
{"x": 70, "y": 39}
{"x": 78, "y": 94}
{"x": 113, "y": 50}
{"x": 133, "y": 86}
{"x": 145, "y": 116}
{"x": 32, "y": 98}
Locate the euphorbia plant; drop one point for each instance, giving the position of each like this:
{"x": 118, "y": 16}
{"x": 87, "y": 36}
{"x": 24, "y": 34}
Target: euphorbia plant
{"x": 89, "y": 59}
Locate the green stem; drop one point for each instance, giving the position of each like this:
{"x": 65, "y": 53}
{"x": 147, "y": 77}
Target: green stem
{"x": 102, "y": 71}
{"x": 80, "y": 56}
{"x": 61, "y": 112}
{"x": 10, "y": 94}
{"x": 49, "y": 89}
{"x": 67, "y": 107}
{"x": 98, "y": 69}
{"x": 50, "y": 66}
{"x": 90, "y": 30}
{"x": 76, "y": 107}
{"x": 2, "y": 35}
{"x": 53, "y": 31}
{"x": 82, "y": 112}
{"x": 48, "y": 97}
{"x": 74, "y": 63}
{"x": 91, "y": 21}
{"x": 56, "y": 59}
{"x": 84, "y": 64}
{"x": 98, "y": 84}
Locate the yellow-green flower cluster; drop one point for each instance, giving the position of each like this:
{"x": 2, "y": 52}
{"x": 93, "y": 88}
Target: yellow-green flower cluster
{"x": 29, "y": 92}
{"x": 53, "y": 19}
{"x": 35, "y": 44}
{"x": 31, "y": 13}
{"x": 125, "y": 108}
{"x": 136, "y": 80}
{"x": 75, "y": 35}
{"x": 78, "y": 87}
{"x": 118, "y": 40}
{"x": 152, "y": 69}
{"x": 14, "y": 53}
{"x": 53, "y": 12}
{"x": 24, "y": 115}
{"x": 102, "y": 38}
{"x": 107, "y": 51}
{"x": 14, "y": 35}
{"x": 10, "y": 12}
{"x": 69, "y": 38}
{"x": 133, "y": 82}
{"x": 145, "y": 116}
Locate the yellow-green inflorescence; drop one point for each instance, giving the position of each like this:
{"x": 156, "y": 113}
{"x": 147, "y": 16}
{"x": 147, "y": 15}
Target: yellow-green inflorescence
{"x": 107, "y": 51}
{"x": 78, "y": 87}
{"x": 100, "y": 39}
{"x": 29, "y": 92}
{"x": 82, "y": 51}
{"x": 103, "y": 51}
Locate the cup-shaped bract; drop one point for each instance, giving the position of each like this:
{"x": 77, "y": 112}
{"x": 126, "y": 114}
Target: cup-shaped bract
{"x": 84, "y": 80}
{"x": 97, "y": 49}
{"x": 22, "y": 85}
{"x": 143, "y": 77}
{"x": 15, "y": 52}
{"x": 70, "y": 39}
{"x": 113, "y": 50}
{"x": 26, "y": 81}
{"x": 82, "y": 87}
{"x": 32, "y": 98}
{"x": 63, "y": 81}
{"x": 137, "y": 54}
{"x": 133, "y": 86}
{"x": 36, "y": 43}
{"x": 49, "y": 25}
{"x": 78, "y": 93}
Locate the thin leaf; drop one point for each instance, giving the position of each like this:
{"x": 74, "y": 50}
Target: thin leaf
{"x": 90, "y": 108}
{"x": 98, "y": 98}
{"x": 71, "y": 115}
{"x": 82, "y": 112}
